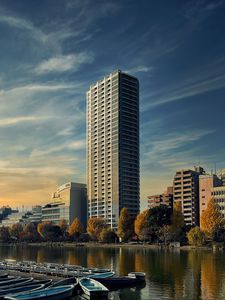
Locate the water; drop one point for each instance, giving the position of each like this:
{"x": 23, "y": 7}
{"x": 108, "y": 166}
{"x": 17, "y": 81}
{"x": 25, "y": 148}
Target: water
{"x": 169, "y": 274}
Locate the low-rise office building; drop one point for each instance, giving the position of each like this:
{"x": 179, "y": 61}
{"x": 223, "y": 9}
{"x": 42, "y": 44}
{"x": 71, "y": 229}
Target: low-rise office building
{"x": 68, "y": 202}
{"x": 186, "y": 191}
{"x": 218, "y": 193}
{"x": 165, "y": 198}
{"x": 206, "y": 184}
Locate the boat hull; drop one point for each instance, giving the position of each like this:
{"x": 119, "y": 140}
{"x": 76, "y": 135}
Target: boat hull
{"x": 55, "y": 293}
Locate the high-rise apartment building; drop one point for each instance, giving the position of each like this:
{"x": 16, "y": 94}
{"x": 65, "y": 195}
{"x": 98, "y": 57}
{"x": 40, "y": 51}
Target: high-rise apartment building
{"x": 113, "y": 146}
{"x": 186, "y": 191}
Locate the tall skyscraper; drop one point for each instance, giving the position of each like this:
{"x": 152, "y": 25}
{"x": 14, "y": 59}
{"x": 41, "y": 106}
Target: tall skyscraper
{"x": 113, "y": 146}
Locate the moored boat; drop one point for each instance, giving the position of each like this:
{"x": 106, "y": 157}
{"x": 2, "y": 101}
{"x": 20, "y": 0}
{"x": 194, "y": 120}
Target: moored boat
{"x": 51, "y": 293}
{"x": 16, "y": 290}
{"x": 101, "y": 275}
{"x": 66, "y": 281}
{"x": 15, "y": 283}
{"x": 93, "y": 288}
{"x": 120, "y": 282}
{"x": 139, "y": 275}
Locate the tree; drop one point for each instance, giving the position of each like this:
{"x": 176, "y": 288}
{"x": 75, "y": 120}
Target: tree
{"x": 30, "y": 232}
{"x": 75, "y": 229}
{"x": 16, "y": 231}
{"x": 160, "y": 215}
{"x": 211, "y": 219}
{"x": 164, "y": 233}
{"x": 178, "y": 230}
{"x": 95, "y": 226}
{"x": 63, "y": 226}
{"x": 4, "y": 234}
{"x": 196, "y": 237}
{"x": 177, "y": 218}
{"x": 49, "y": 231}
{"x": 125, "y": 225}
{"x": 142, "y": 225}
{"x": 107, "y": 235}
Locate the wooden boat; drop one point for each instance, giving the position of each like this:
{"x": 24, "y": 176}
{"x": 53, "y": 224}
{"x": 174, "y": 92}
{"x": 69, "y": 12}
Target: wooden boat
{"x": 120, "y": 282}
{"x": 93, "y": 288}
{"x": 16, "y": 290}
{"x": 51, "y": 293}
{"x": 67, "y": 281}
{"x": 10, "y": 280}
{"x": 101, "y": 275}
{"x": 7, "y": 278}
{"x": 46, "y": 282}
{"x": 16, "y": 283}
{"x": 139, "y": 275}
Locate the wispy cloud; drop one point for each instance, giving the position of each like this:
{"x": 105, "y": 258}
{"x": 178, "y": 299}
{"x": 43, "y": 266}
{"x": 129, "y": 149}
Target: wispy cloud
{"x": 14, "y": 121}
{"x": 139, "y": 69}
{"x": 208, "y": 78}
{"x": 62, "y": 63}
{"x": 160, "y": 149}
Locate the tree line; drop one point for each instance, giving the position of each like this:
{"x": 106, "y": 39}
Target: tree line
{"x": 159, "y": 224}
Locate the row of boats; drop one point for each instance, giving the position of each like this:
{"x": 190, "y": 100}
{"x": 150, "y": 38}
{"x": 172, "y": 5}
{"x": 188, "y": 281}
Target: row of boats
{"x": 92, "y": 282}
{"x": 17, "y": 288}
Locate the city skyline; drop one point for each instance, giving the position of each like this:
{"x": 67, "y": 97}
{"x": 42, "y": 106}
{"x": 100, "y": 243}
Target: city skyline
{"x": 50, "y": 54}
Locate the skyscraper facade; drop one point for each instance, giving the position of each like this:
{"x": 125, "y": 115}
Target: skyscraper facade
{"x": 113, "y": 147}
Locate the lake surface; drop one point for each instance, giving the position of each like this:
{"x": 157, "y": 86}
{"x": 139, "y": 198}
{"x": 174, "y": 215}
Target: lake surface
{"x": 169, "y": 274}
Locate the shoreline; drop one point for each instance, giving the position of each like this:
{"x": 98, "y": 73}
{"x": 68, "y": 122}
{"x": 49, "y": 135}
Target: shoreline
{"x": 116, "y": 245}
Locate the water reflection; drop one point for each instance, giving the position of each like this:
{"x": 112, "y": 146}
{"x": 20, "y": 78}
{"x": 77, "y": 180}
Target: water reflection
{"x": 169, "y": 274}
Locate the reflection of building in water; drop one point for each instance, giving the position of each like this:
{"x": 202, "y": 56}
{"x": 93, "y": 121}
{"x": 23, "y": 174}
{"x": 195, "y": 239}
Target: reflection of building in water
{"x": 69, "y": 202}
{"x": 211, "y": 276}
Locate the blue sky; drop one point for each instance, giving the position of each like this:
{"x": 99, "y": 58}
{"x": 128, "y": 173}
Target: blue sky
{"x": 51, "y": 51}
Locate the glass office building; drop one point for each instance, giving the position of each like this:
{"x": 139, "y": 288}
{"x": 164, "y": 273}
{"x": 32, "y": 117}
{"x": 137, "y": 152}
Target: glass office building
{"x": 113, "y": 147}
{"x": 68, "y": 202}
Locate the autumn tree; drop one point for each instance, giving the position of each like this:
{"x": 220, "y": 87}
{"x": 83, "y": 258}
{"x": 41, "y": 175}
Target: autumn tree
{"x": 75, "y": 229}
{"x": 4, "y": 234}
{"x": 196, "y": 237}
{"x": 95, "y": 226}
{"x": 211, "y": 219}
{"x": 165, "y": 233}
{"x": 108, "y": 235}
{"x": 49, "y": 231}
{"x": 125, "y": 225}
{"x": 30, "y": 232}
{"x": 177, "y": 218}
{"x": 16, "y": 231}
{"x": 63, "y": 227}
{"x": 160, "y": 215}
{"x": 142, "y": 226}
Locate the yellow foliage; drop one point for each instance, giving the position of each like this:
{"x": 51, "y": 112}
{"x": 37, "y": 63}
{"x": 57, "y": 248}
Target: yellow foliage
{"x": 211, "y": 218}
{"x": 95, "y": 226}
{"x": 125, "y": 225}
{"x": 177, "y": 219}
{"x": 141, "y": 224}
{"x": 75, "y": 228}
